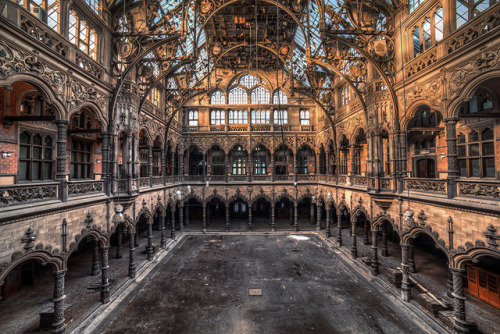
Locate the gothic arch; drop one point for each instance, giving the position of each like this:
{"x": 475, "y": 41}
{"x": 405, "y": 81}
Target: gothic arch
{"x": 146, "y": 212}
{"x": 262, "y": 195}
{"x": 94, "y": 232}
{"x": 459, "y": 257}
{"x": 381, "y": 218}
{"x": 216, "y": 196}
{"x": 282, "y": 195}
{"x": 160, "y": 207}
{"x": 414, "y": 232}
{"x": 360, "y": 209}
{"x": 58, "y": 262}
{"x": 95, "y": 110}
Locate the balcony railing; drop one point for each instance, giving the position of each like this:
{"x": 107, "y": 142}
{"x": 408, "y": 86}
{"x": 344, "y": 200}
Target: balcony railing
{"x": 436, "y": 186}
{"x": 306, "y": 177}
{"x": 216, "y": 178}
{"x": 144, "y": 182}
{"x": 85, "y": 187}
{"x": 358, "y": 180}
{"x": 157, "y": 180}
{"x": 259, "y": 178}
{"x": 482, "y": 189}
{"x": 27, "y": 193}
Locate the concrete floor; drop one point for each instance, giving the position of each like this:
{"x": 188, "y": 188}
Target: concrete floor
{"x": 306, "y": 288}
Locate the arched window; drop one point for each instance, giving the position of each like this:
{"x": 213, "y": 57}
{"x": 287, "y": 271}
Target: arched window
{"x": 35, "y": 157}
{"x": 47, "y": 11}
{"x": 218, "y": 166}
{"x": 239, "y": 161}
{"x": 238, "y": 117}
{"x": 260, "y": 116}
{"x": 249, "y": 81}
{"x": 280, "y": 117}
{"x": 345, "y": 95}
{"x": 467, "y": 10}
{"x": 94, "y": 5}
{"x": 260, "y": 160}
{"x": 259, "y": 95}
{"x": 281, "y": 158}
{"x": 34, "y": 104}
{"x": 416, "y": 41}
{"x": 304, "y": 117}
{"x": 157, "y": 157}
{"x": 482, "y": 101}
{"x": 217, "y": 117}
{"x": 218, "y": 98}
{"x": 154, "y": 96}
{"x": 193, "y": 118}
{"x": 238, "y": 95}
{"x": 279, "y": 97}
{"x": 476, "y": 157}
{"x": 303, "y": 155}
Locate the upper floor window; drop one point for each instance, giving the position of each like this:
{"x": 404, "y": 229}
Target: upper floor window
{"x": 280, "y": 117}
{"x": 154, "y": 96}
{"x": 35, "y": 157}
{"x": 34, "y": 104}
{"x": 345, "y": 95}
{"x": 261, "y": 116}
{"x": 380, "y": 86}
{"x": 260, "y": 160}
{"x": 260, "y": 95}
{"x": 217, "y": 117}
{"x": 476, "y": 156}
{"x": 82, "y": 35}
{"x": 218, "y": 98}
{"x": 304, "y": 117}
{"x": 428, "y": 32}
{"x": 94, "y": 5}
{"x": 238, "y": 117}
{"x": 47, "y": 11}
{"x": 279, "y": 97}
{"x": 467, "y": 10}
{"x": 193, "y": 118}
{"x": 249, "y": 81}
{"x": 238, "y": 95}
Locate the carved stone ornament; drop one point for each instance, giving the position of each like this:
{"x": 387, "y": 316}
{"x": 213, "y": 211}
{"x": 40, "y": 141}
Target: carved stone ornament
{"x": 29, "y": 239}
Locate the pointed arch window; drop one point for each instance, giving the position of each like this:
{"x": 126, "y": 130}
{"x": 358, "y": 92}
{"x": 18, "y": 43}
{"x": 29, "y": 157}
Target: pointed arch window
{"x": 249, "y": 81}
{"x": 218, "y": 98}
{"x": 279, "y": 97}
{"x": 467, "y": 10}
{"x": 260, "y": 95}
{"x": 238, "y": 95}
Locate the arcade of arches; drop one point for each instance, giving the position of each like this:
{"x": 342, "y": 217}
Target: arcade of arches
{"x": 126, "y": 124}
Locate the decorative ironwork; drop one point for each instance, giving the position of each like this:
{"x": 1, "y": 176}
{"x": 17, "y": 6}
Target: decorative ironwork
{"x": 433, "y": 186}
{"x": 482, "y": 189}
{"x": 77, "y": 188}
{"x": 19, "y": 194}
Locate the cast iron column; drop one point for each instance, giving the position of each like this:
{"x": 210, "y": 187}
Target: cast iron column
{"x": 460, "y": 324}
{"x": 449, "y": 283}
{"x": 374, "y": 253}
{"x": 228, "y": 225}
{"x": 163, "y": 237}
{"x": 172, "y": 222}
{"x": 62, "y": 133}
{"x": 119, "y": 238}
{"x": 273, "y": 224}
{"x": 104, "y": 273}
{"x": 58, "y": 325}
{"x": 339, "y": 228}
{"x": 204, "y": 225}
{"x": 131, "y": 248}
{"x": 354, "y": 247}
{"x": 149, "y": 247}
{"x": 95, "y": 259}
{"x": 405, "y": 283}
{"x": 295, "y": 216}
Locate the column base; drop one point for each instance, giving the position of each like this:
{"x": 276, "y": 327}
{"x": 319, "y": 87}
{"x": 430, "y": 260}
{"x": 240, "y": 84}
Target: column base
{"x": 105, "y": 294}
{"x": 354, "y": 252}
{"x": 464, "y": 327}
{"x": 406, "y": 294}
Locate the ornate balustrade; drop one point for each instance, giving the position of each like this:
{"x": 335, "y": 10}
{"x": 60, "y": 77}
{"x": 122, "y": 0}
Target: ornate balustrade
{"x": 216, "y": 178}
{"x": 122, "y": 185}
{"x": 385, "y": 183}
{"x": 26, "y": 193}
{"x": 196, "y": 178}
{"x": 306, "y": 177}
{"x": 169, "y": 179}
{"x": 342, "y": 179}
{"x": 357, "y": 180}
{"x": 217, "y": 128}
{"x": 144, "y": 182}
{"x": 78, "y": 188}
{"x": 489, "y": 190}
{"x": 238, "y": 128}
{"x": 88, "y": 64}
{"x": 261, "y": 127}
{"x": 283, "y": 177}
{"x": 437, "y": 186}
{"x": 157, "y": 180}
{"x": 259, "y": 178}
{"x": 238, "y": 178}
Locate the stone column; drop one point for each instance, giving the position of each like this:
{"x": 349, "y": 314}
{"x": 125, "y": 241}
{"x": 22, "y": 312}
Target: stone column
{"x": 58, "y": 325}
{"x": 354, "y": 247}
{"x": 228, "y": 225}
{"x": 163, "y": 237}
{"x": 374, "y": 253}
{"x": 62, "y": 133}
{"x": 226, "y": 164}
{"x": 411, "y": 258}
{"x": 250, "y": 217}
{"x": 131, "y": 247}
{"x": 316, "y": 167}
{"x": 328, "y": 221}
{"x": 181, "y": 216}
{"x": 149, "y": 247}
{"x": 104, "y": 273}
{"x": 172, "y": 222}
{"x": 318, "y": 216}
{"x": 451, "y": 153}
{"x": 449, "y": 284}
{"x": 405, "y": 283}
{"x": 339, "y": 228}
{"x": 385, "y": 251}
{"x": 291, "y": 214}
{"x": 295, "y": 216}
{"x": 366, "y": 226}
{"x": 95, "y": 259}
{"x": 204, "y": 225}
{"x": 204, "y": 166}
{"x": 311, "y": 211}
{"x": 460, "y": 324}
{"x": 273, "y": 223}
{"x": 119, "y": 237}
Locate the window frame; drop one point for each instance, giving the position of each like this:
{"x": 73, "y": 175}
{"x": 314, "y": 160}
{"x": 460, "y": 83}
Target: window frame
{"x": 30, "y": 160}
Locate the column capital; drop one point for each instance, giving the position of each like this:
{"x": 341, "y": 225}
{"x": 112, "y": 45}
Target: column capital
{"x": 61, "y": 122}
{"x": 451, "y": 119}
